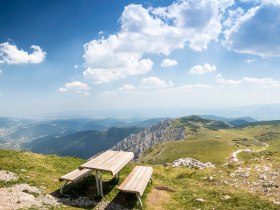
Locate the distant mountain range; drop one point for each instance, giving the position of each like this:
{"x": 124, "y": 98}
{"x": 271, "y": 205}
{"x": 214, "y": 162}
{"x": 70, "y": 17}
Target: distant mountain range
{"x": 73, "y": 137}
{"x": 82, "y": 144}
{"x": 231, "y": 121}
{"x": 87, "y": 137}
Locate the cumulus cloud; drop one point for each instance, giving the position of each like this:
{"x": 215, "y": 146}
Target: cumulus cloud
{"x": 250, "y": 61}
{"x": 127, "y": 87}
{"x": 266, "y": 82}
{"x": 154, "y": 82}
{"x": 200, "y": 70}
{"x": 10, "y": 54}
{"x": 168, "y": 63}
{"x": 77, "y": 87}
{"x": 257, "y": 31}
{"x": 157, "y": 30}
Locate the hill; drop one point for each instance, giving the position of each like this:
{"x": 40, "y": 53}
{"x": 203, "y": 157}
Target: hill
{"x": 214, "y": 141}
{"x": 227, "y": 187}
{"x": 82, "y": 144}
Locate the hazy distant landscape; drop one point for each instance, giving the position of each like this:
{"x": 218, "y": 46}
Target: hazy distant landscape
{"x": 175, "y": 104}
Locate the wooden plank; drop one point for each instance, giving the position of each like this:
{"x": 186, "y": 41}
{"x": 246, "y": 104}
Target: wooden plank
{"x": 137, "y": 180}
{"x": 128, "y": 178}
{"x": 132, "y": 180}
{"x": 101, "y": 163}
{"x": 111, "y": 161}
{"x": 144, "y": 181}
{"x": 75, "y": 175}
{"x": 117, "y": 165}
{"x": 91, "y": 164}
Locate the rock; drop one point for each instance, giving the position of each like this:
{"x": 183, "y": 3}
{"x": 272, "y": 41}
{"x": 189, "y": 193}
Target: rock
{"x": 22, "y": 170}
{"x": 226, "y": 197}
{"x": 263, "y": 177}
{"x": 157, "y": 134}
{"x": 276, "y": 203}
{"x": 7, "y": 176}
{"x": 232, "y": 174}
{"x": 191, "y": 163}
{"x": 201, "y": 200}
{"x": 24, "y": 196}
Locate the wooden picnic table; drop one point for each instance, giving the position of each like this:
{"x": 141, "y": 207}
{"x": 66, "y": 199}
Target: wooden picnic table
{"x": 110, "y": 161}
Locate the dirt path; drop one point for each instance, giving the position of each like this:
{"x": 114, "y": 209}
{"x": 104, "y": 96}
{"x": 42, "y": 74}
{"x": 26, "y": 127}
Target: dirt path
{"x": 233, "y": 157}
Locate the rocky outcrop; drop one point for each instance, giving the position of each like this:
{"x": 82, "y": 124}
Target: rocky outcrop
{"x": 191, "y": 163}
{"x": 157, "y": 134}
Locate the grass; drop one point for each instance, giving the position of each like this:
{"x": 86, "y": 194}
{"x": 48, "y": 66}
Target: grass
{"x": 214, "y": 145}
{"x": 178, "y": 188}
{"x": 173, "y": 188}
{"x": 215, "y": 151}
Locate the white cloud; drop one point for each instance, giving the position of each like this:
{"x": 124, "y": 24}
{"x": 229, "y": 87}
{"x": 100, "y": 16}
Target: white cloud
{"x": 154, "y": 82}
{"x": 257, "y": 31}
{"x": 10, "y": 54}
{"x": 77, "y": 87}
{"x": 76, "y": 66}
{"x": 200, "y": 70}
{"x": 267, "y": 82}
{"x": 192, "y": 87}
{"x": 127, "y": 87}
{"x": 0, "y": 71}
{"x": 152, "y": 31}
{"x": 250, "y": 61}
{"x": 168, "y": 63}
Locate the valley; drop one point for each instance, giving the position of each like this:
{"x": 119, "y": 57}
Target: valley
{"x": 244, "y": 158}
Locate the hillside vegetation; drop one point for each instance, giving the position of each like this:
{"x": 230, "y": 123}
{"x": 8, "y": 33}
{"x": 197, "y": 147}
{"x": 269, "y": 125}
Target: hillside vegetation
{"x": 214, "y": 141}
{"x": 173, "y": 188}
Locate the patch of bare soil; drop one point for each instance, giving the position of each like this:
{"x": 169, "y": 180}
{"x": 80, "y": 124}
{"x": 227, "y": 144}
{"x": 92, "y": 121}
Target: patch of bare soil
{"x": 157, "y": 199}
{"x": 165, "y": 188}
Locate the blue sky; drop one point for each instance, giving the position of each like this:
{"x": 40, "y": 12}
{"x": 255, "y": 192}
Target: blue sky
{"x": 106, "y": 56}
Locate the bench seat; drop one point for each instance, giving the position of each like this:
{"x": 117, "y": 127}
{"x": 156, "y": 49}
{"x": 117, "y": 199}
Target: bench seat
{"x": 74, "y": 176}
{"x": 137, "y": 181}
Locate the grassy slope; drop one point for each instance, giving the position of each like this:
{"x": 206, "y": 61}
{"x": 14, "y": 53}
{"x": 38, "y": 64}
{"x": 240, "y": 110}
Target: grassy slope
{"x": 214, "y": 145}
{"x": 188, "y": 184}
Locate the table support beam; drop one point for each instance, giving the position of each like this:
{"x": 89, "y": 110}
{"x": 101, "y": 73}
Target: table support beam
{"x": 101, "y": 187}
{"x": 97, "y": 182}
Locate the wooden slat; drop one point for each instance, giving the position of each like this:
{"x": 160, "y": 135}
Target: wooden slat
{"x": 111, "y": 161}
{"x": 137, "y": 180}
{"x": 116, "y": 167}
{"x": 138, "y": 170}
{"x": 95, "y": 162}
{"x": 101, "y": 163}
{"x": 144, "y": 181}
{"x": 75, "y": 175}
{"x": 128, "y": 178}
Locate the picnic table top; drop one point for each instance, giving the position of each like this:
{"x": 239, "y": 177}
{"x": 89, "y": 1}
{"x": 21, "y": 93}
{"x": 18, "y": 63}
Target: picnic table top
{"x": 111, "y": 161}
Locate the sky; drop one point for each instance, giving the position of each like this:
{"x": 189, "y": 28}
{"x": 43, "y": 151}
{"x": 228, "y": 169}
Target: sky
{"x": 134, "y": 57}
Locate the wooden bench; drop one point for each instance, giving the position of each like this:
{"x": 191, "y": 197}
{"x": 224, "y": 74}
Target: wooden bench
{"x": 137, "y": 181}
{"x": 74, "y": 176}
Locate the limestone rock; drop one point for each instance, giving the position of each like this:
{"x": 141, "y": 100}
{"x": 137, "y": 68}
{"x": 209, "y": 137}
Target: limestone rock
{"x": 191, "y": 163}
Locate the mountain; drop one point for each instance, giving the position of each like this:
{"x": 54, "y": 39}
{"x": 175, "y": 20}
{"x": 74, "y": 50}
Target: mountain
{"x": 238, "y": 121}
{"x": 159, "y": 133}
{"x": 82, "y": 144}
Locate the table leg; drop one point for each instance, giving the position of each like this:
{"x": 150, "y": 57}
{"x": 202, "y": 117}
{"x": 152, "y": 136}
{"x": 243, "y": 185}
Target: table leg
{"x": 97, "y": 182}
{"x": 101, "y": 187}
